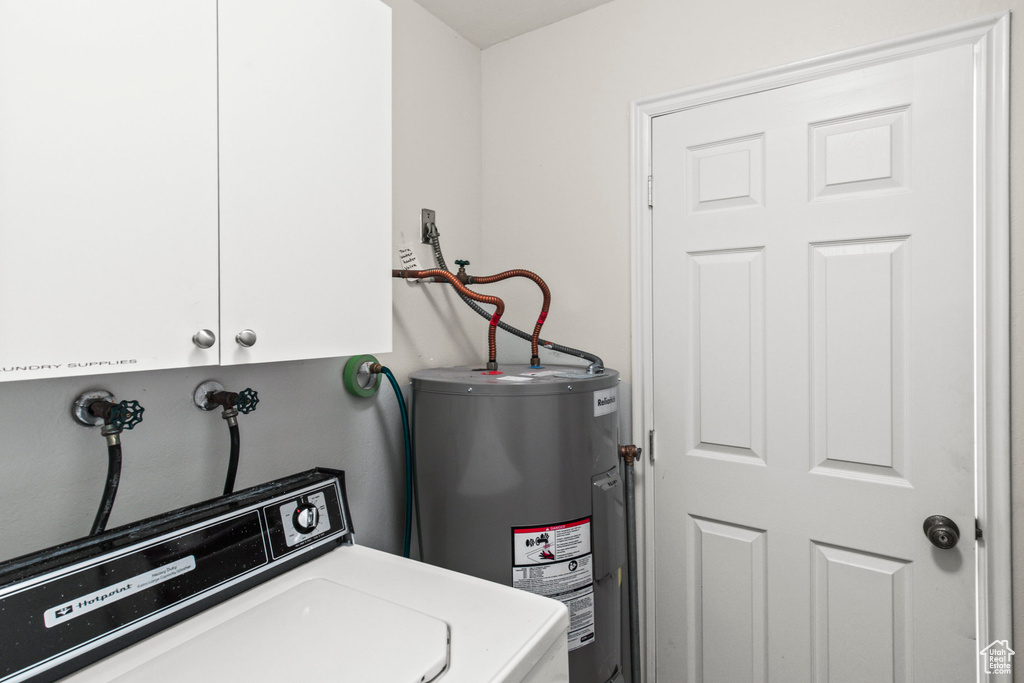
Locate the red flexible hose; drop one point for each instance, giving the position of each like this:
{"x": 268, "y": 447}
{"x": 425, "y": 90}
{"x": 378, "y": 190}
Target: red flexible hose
{"x": 492, "y": 344}
{"x": 518, "y": 272}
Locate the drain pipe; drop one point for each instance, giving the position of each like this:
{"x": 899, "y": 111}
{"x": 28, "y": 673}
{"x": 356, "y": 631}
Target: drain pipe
{"x": 629, "y": 455}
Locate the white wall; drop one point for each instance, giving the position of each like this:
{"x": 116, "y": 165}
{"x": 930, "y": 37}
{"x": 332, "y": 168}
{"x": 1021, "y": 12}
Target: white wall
{"x": 437, "y": 165}
{"x": 556, "y": 142}
{"x": 52, "y": 470}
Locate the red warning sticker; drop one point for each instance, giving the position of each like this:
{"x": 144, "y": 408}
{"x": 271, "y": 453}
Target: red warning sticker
{"x": 555, "y": 561}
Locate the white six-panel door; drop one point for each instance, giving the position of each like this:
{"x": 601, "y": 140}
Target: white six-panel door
{"x": 813, "y": 382}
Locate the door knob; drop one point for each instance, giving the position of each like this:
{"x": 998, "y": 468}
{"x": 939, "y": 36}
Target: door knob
{"x": 941, "y": 531}
{"x": 246, "y": 338}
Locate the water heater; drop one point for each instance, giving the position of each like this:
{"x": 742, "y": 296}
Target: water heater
{"x": 519, "y": 484}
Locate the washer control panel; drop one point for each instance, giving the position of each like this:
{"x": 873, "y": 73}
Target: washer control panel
{"x": 76, "y": 603}
{"x": 305, "y": 517}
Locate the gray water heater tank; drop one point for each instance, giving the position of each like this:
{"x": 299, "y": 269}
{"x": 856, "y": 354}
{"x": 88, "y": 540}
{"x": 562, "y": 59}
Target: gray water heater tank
{"x": 519, "y": 484}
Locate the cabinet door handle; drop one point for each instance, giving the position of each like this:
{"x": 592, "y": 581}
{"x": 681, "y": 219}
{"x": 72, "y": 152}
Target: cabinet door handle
{"x": 204, "y": 339}
{"x": 246, "y": 338}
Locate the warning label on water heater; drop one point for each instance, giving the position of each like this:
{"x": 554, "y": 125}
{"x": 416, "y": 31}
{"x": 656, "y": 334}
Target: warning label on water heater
{"x": 555, "y": 561}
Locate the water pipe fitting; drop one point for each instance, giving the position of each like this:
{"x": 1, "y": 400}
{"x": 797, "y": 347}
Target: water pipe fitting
{"x": 629, "y": 453}
{"x": 462, "y": 274}
{"x": 361, "y": 376}
{"x": 96, "y": 408}
{"x": 209, "y": 395}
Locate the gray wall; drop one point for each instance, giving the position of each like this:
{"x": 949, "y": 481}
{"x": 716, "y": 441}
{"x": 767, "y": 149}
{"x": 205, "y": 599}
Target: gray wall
{"x": 178, "y": 455}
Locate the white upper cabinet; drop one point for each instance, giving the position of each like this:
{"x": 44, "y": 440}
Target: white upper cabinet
{"x": 305, "y": 178}
{"x": 165, "y": 170}
{"x": 108, "y": 184}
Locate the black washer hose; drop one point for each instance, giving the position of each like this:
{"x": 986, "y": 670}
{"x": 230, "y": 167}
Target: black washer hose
{"x": 236, "y": 445}
{"x": 110, "y": 490}
{"x": 596, "y": 364}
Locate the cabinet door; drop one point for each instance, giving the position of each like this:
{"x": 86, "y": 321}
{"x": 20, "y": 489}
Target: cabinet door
{"x": 305, "y": 178}
{"x": 108, "y": 185}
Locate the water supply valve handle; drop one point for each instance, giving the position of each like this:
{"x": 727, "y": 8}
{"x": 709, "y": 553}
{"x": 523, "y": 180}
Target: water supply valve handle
{"x": 247, "y": 401}
{"x": 125, "y": 415}
{"x": 463, "y": 276}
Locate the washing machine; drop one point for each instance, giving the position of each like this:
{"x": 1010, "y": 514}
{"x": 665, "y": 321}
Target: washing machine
{"x": 265, "y": 584}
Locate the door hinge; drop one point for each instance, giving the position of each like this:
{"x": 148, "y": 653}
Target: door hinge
{"x": 650, "y": 445}
{"x": 650, "y": 191}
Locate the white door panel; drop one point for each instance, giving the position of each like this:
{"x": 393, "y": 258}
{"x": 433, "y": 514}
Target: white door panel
{"x": 813, "y": 382}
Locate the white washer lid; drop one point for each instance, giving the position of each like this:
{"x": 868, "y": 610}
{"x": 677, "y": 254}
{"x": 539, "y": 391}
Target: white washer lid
{"x": 317, "y": 628}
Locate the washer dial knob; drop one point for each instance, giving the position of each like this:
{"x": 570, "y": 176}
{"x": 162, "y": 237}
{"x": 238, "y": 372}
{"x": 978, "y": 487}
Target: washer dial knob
{"x": 306, "y": 517}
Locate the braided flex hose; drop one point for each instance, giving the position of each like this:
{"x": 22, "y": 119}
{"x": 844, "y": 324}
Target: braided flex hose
{"x": 499, "y": 305}
{"x": 596, "y": 364}
{"x": 518, "y": 272}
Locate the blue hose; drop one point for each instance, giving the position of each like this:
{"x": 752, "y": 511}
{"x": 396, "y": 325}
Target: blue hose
{"x": 408, "y": 459}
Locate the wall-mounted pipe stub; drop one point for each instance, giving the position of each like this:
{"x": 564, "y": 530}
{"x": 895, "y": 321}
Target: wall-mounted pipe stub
{"x": 359, "y": 376}
{"x": 97, "y": 408}
{"x": 211, "y": 394}
{"x": 80, "y": 408}
{"x": 201, "y": 395}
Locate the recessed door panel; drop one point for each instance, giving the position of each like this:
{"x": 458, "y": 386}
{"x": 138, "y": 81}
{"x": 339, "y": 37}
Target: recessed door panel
{"x": 730, "y": 615}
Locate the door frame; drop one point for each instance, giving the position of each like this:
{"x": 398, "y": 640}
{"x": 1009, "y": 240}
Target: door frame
{"x": 990, "y": 37}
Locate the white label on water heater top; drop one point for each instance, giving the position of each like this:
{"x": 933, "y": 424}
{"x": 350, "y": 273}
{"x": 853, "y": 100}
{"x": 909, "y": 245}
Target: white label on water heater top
{"x": 606, "y": 401}
{"x": 556, "y": 561}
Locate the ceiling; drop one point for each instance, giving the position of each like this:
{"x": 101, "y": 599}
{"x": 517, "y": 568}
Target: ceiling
{"x": 486, "y": 22}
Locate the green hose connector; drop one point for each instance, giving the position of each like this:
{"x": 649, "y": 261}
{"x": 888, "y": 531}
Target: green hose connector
{"x": 350, "y": 376}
